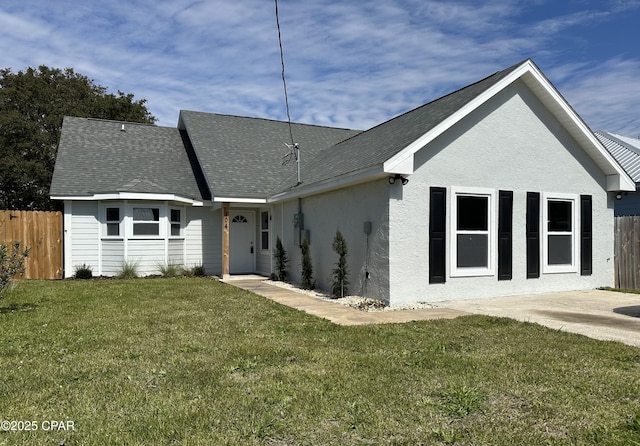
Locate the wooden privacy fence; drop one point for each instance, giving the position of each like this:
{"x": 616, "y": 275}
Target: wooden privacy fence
{"x": 39, "y": 231}
{"x": 627, "y": 252}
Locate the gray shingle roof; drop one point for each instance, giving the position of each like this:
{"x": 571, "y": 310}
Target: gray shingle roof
{"x": 96, "y": 156}
{"x": 242, "y": 157}
{"x": 375, "y": 146}
{"x": 625, "y": 150}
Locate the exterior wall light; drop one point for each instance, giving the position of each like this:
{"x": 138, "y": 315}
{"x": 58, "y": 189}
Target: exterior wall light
{"x": 397, "y": 176}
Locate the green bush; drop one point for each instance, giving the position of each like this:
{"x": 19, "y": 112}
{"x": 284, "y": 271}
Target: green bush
{"x": 128, "y": 270}
{"x": 170, "y": 269}
{"x": 83, "y": 271}
{"x": 195, "y": 271}
{"x": 11, "y": 264}
{"x": 280, "y": 256}
{"x": 307, "y": 268}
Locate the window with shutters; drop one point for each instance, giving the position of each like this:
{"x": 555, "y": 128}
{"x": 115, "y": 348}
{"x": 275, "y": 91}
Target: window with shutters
{"x": 472, "y": 229}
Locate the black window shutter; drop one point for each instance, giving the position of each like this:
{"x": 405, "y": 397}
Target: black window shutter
{"x": 505, "y": 237}
{"x": 585, "y": 235}
{"x": 437, "y": 234}
{"x": 533, "y": 235}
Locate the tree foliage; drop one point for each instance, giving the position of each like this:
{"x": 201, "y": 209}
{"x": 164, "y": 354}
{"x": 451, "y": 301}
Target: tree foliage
{"x": 11, "y": 264}
{"x": 280, "y": 256}
{"x": 32, "y": 105}
{"x": 307, "y": 267}
{"x": 340, "y": 285}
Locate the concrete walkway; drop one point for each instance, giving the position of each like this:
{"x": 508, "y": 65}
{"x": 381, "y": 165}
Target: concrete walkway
{"x": 335, "y": 312}
{"x": 604, "y": 315}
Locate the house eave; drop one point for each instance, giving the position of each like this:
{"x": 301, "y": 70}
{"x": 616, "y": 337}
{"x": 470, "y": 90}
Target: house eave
{"x": 239, "y": 200}
{"x": 129, "y": 196}
{"x": 350, "y": 179}
{"x": 617, "y": 178}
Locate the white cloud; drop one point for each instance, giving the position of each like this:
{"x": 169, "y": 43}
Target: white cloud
{"x": 348, "y": 63}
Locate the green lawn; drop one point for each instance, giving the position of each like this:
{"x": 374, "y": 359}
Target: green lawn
{"x": 197, "y": 362}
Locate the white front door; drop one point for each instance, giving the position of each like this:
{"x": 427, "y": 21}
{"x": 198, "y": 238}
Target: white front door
{"x": 241, "y": 242}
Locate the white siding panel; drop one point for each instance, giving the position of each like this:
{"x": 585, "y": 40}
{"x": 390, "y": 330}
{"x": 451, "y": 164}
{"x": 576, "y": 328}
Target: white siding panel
{"x": 204, "y": 239}
{"x": 147, "y": 254}
{"x": 176, "y": 251}
{"x": 85, "y": 232}
{"x": 112, "y": 257}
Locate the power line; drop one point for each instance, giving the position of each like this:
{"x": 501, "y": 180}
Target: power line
{"x": 284, "y": 82}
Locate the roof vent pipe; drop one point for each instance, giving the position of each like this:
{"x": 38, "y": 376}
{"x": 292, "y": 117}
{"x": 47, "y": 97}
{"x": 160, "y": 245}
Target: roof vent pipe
{"x": 122, "y": 128}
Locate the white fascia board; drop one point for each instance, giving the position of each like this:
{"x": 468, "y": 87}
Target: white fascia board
{"x": 350, "y": 179}
{"x": 130, "y": 196}
{"x": 239, "y": 200}
{"x": 617, "y": 178}
{"x": 400, "y": 162}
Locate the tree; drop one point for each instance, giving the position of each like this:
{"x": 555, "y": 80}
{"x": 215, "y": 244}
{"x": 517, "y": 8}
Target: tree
{"x": 341, "y": 272}
{"x": 32, "y": 105}
{"x": 307, "y": 268}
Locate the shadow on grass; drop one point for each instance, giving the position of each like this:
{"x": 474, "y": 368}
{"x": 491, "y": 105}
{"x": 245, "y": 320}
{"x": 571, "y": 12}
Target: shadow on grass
{"x": 15, "y": 308}
{"x": 633, "y": 311}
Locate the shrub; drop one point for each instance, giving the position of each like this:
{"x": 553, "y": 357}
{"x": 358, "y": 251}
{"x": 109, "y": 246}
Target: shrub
{"x": 195, "y": 271}
{"x": 340, "y": 273}
{"x": 307, "y": 268}
{"x": 11, "y": 264}
{"x": 280, "y": 256}
{"x": 83, "y": 271}
{"x": 128, "y": 270}
{"x": 170, "y": 269}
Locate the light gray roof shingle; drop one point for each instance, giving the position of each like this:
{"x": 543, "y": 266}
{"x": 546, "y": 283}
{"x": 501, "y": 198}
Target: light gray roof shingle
{"x": 625, "y": 150}
{"x": 96, "y": 156}
{"x": 242, "y": 157}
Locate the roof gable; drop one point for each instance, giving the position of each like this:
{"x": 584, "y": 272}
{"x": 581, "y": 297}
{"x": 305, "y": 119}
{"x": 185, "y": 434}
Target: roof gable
{"x": 242, "y": 157}
{"x": 389, "y": 148}
{"x": 98, "y": 157}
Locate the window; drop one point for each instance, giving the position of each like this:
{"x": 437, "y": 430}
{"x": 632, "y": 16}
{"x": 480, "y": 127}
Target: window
{"x": 175, "y": 222}
{"x": 559, "y": 239}
{"x": 472, "y": 228}
{"x": 112, "y": 221}
{"x": 264, "y": 230}
{"x": 146, "y": 221}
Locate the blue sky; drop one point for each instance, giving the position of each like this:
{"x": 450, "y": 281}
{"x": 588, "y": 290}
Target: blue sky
{"x": 349, "y": 63}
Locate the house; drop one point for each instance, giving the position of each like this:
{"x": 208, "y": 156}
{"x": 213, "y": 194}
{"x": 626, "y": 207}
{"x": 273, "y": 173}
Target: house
{"x": 626, "y": 152}
{"x": 498, "y": 188}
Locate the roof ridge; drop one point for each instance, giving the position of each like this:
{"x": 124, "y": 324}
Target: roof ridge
{"x": 268, "y": 119}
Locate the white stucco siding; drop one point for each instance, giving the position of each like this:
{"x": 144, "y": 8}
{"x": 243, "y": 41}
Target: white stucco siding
{"x": 204, "y": 239}
{"x": 346, "y": 210}
{"x": 511, "y": 143}
{"x": 84, "y": 236}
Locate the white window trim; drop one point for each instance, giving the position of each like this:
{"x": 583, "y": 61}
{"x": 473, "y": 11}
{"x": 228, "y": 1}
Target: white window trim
{"x": 573, "y": 267}
{"x": 456, "y": 271}
{"x": 182, "y": 221}
{"x": 162, "y": 221}
{"x": 268, "y": 231}
{"x": 103, "y": 220}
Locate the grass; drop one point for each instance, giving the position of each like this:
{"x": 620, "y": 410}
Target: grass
{"x": 198, "y": 362}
